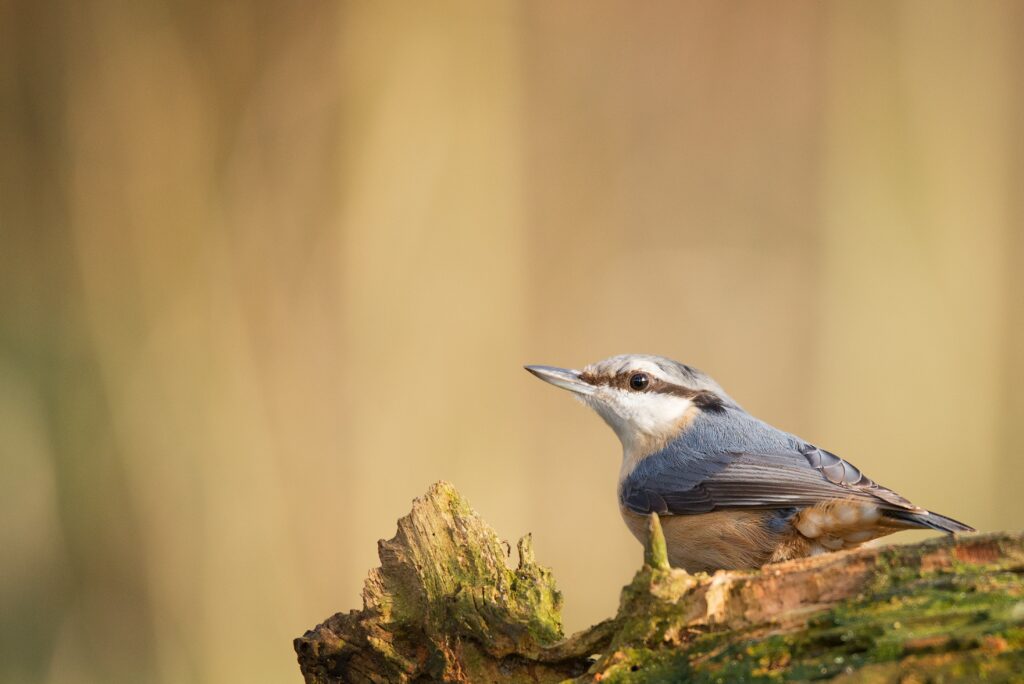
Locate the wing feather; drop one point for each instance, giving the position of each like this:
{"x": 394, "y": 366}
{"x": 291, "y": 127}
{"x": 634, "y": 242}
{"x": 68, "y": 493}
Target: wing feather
{"x": 768, "y": 471}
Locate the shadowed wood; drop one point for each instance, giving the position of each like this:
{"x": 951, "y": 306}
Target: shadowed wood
{"x": 445, "y": 606}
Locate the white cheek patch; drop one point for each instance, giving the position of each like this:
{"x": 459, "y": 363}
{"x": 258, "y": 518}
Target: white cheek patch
{"x": 641, "y": 414}
{"x": 654, "y": 413}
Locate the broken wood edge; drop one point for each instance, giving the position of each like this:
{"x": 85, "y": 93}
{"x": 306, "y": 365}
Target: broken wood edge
{"x": 512, "y": 626}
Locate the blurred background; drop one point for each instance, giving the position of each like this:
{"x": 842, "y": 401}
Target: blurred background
{"x": 269, "y": 269}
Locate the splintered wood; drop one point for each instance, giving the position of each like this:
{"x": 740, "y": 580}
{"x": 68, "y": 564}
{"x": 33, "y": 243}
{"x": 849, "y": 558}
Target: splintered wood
{"x": 445, "y": 605}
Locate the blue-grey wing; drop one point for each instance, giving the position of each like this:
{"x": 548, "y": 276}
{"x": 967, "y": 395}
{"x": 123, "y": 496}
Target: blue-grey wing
{"x": 745, "y": 463}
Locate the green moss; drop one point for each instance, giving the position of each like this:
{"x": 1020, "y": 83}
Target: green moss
{"x": 656, "y": 550}
{"x": 445, "y": 605}
{"x": 962, "y": 613}
{"x": 533, "y": 586}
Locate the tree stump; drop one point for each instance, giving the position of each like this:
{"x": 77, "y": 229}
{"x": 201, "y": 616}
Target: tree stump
{"x": 446, "y": 606}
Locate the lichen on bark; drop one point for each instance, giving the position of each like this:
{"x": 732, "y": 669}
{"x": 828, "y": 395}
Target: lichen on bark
{"x": 446, "y": 606}
{"x": 443, "y": 605}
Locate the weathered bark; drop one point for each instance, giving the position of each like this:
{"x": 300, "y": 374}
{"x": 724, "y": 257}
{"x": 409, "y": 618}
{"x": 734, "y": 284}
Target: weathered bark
{"x": 445, "y": 606}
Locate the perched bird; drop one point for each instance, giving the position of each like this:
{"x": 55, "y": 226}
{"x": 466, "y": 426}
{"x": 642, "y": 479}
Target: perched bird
{"x": 731, "y": 490}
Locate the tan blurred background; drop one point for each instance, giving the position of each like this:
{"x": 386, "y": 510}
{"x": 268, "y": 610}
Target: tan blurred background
{"x": 268, "y": 270}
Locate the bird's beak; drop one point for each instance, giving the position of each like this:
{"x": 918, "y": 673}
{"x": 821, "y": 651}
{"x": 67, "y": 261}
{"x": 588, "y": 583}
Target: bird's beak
{"x": 562, "y": 377}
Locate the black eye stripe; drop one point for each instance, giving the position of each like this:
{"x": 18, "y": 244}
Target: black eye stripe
{"x": 703, "y": 399}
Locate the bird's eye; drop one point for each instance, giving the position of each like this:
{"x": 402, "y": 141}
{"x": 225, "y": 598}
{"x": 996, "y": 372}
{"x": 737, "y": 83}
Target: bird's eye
{"x": 639, "y": 381}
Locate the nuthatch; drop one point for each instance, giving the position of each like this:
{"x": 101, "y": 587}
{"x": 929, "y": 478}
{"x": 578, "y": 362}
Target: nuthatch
{"x": 731, "y": 490}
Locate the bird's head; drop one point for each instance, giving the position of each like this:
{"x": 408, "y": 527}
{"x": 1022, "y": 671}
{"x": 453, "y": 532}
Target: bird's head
{"x": 647, "y": 400}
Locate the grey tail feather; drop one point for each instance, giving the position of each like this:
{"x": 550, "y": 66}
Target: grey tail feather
{"x": 932, "y": 520}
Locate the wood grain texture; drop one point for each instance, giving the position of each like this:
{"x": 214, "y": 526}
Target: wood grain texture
{"x": 445, "y": 606}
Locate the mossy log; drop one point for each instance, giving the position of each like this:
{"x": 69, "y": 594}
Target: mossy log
{"x": 446, "y": 606}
